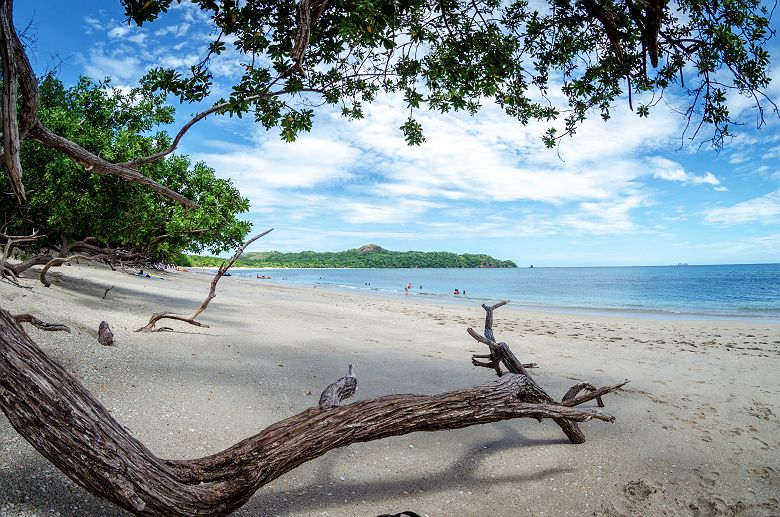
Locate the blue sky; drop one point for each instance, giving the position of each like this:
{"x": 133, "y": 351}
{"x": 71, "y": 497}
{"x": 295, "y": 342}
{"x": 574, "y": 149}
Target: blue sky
{"x": 626, "y": 192}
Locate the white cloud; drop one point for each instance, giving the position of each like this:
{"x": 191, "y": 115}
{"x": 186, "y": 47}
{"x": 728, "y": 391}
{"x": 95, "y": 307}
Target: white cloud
{"x": 124, "y": 68}
{"x": 669, "y": 170}
{"x": 272, "y": 165}
{"x": 607, "y": 217}
{"x": 394, "y": 212}
{"x": 119, "y": 31}
{"x": 764, "y": 210}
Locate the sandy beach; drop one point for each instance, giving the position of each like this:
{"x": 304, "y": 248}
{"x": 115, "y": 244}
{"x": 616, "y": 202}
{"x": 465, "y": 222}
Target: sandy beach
{"x": 697, "y": 430}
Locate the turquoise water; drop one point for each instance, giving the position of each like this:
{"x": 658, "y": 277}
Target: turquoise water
{"x": 743, "y": 290}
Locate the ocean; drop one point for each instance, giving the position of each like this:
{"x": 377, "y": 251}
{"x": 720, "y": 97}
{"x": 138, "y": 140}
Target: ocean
{"x": 730, "y": 291}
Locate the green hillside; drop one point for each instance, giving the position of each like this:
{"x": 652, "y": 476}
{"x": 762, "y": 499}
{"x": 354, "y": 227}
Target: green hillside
{"x": 368, "y": 256}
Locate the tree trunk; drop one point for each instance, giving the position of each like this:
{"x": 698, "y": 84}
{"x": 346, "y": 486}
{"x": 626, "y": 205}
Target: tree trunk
{"x": 66, "y": 424}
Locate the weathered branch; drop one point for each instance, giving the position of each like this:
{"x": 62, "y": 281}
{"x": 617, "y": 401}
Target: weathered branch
{"x": 35, "y": 260}
{"x": 10, "y": 240}
{"x": 501, "y": 353}
{"x": 594, "y": 393}
{"x": 67, "y": 425}
{"x": 157, "y": 316}
{"x": 35, "y": 322}
{"x": 340, "y": 390}
{"x": 109, "y": 256}
{"x": 11, "y": 137}
{"x": 98, "y": 165}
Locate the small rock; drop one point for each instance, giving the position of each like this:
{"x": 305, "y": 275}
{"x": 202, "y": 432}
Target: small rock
{"x": 105, "y": 336}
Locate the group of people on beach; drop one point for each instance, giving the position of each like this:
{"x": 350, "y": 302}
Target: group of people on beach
{"x": 409, "y": 287}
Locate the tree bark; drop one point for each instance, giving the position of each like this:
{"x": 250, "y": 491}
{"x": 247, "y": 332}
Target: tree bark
{"x": 68, "y": 426}
{"x": 21, "y": 267}
{"x": 11, "y": 138}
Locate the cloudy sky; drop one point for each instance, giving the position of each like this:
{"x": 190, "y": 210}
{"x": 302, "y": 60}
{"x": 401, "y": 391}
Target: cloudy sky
{"x": 626, "y": 192}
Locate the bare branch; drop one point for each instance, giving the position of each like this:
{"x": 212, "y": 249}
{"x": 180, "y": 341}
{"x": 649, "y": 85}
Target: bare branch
{"x": 107, "y": 256}
{"x": 595, "y": 393}
{"x": 149, "y": 327}
{"x": 35, "y": 322}
{"x": 501, "y": 353}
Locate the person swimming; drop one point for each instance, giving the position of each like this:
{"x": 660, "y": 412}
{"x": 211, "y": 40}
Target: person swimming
{"x": 456, "y": 292}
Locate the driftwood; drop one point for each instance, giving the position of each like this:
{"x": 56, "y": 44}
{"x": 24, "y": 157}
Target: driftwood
{"x": 501, "y": 354}
{"x": 157, "y": 316}
{"x": 35, "y": 322}
{"x": 8, "y": 271}
{"x": 340, "y": 390}
{"x": 68, "y": 426}
{"x": 105, "y": 336}
{"x": 106, "y": 255}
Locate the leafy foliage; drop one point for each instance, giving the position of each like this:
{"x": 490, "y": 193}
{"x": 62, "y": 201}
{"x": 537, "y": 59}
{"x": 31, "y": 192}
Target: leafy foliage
{"x": 68, "y": 202}
{"x": 358, "y": 258}
{"x": 560, "y": 60}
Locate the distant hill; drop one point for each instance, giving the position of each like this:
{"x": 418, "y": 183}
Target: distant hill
{"x": 367, "y": 256}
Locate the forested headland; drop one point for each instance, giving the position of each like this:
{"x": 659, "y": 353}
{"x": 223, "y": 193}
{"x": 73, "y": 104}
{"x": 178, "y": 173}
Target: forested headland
{"x": 368, "y": 256}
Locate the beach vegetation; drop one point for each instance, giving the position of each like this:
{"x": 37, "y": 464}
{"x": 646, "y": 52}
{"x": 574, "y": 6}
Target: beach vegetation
{"x": 67, "y": 203}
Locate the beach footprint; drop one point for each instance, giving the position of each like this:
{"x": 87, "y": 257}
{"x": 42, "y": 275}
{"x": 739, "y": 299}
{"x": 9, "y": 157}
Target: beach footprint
{"x": 640, "y": 491}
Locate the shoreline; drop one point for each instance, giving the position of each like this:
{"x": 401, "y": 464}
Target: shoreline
{"x": 652, "y": 314}
{"x": 681, "y": 443}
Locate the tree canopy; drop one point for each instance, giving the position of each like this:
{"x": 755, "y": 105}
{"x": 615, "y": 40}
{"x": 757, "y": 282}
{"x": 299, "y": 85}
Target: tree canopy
{"x": 66, "y": 202}
{"x": 555, "y": 60}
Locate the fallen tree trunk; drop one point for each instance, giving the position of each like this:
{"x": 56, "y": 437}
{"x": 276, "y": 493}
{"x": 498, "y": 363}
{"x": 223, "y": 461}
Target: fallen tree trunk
{"x": 65, "y": 423}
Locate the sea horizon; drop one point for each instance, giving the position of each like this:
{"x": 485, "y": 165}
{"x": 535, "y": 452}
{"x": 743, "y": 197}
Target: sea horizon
{"x": 743, "y": 291}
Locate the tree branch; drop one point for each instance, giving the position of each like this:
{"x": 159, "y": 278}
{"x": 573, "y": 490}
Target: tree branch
{"x": 501, "y": 353}
{"x": 67, "y": 425}
{"x": 35, "y": 322}
{"x": 11, "y": 137}
{"x": 157, "y": 316}
{"x": 98, "y": 165}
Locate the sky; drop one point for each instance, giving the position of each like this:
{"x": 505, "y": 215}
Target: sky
{"x": 626, "y": 192}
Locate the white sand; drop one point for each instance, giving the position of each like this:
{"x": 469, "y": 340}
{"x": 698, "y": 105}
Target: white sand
{"x": 697, "y": 430}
